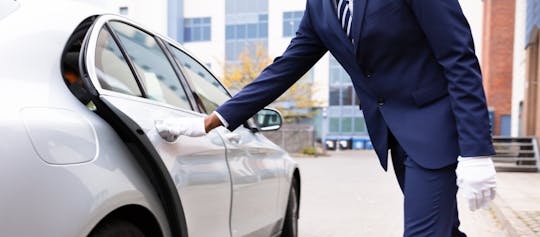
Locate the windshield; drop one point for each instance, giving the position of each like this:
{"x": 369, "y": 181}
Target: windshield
{"x": 7, "y": 7}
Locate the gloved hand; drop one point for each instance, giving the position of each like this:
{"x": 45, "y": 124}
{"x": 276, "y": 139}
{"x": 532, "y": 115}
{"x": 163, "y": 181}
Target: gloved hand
{"x": 171, "y": 128}
{"x": 476, "y": 180}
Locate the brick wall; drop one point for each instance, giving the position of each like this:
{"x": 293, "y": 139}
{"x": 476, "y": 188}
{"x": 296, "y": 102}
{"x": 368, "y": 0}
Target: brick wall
{"x": 497, "y": 56}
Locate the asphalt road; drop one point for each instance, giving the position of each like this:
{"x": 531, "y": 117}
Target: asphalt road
{"x": 349, "y": 195}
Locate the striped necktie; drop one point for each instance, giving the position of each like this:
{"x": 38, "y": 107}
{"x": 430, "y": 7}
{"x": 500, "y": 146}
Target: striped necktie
{"x": 345, "y": 16}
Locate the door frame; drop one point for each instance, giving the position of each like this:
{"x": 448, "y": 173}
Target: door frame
{"x": 128, "y": 130}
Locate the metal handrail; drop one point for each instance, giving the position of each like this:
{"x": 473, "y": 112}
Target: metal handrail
{"x": 535, "y": 148}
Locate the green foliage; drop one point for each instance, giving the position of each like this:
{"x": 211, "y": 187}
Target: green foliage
{"x": 312, "y": 151}
{"x": 293, "y": 104}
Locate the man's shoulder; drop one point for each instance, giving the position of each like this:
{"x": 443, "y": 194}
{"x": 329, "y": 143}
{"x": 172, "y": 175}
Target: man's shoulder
{"x": 315, "y": 5}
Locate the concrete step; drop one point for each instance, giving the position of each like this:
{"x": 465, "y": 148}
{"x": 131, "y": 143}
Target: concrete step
{"x": 512, "y": 144}
{"x": 515, "y": 168}
{"x": 512, "y": 159}
{"x": 515, "y": 151}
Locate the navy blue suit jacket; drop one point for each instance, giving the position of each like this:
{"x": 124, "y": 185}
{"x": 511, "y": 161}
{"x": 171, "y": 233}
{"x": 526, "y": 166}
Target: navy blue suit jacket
{"x": 413, "y": 67}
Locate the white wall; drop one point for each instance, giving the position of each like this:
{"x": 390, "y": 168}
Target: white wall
{"x": 518, "y": 82}
{"x": 474, "y": 12}
{"x": 150, "y": 14}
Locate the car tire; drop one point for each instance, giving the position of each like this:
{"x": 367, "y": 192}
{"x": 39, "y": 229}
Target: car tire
{"x": 290, "y": 226}
{"x": 117, "y": 228}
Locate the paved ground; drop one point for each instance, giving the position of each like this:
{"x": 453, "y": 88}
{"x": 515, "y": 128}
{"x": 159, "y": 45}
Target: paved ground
{"x": 349, "y": 195}
{"x": 518, "y": 203}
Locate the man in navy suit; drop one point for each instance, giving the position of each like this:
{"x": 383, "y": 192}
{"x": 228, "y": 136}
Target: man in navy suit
{"x": 414, "y": 69}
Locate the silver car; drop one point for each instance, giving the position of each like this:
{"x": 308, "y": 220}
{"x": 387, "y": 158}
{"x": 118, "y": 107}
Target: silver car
{"x": 81, "y": 155}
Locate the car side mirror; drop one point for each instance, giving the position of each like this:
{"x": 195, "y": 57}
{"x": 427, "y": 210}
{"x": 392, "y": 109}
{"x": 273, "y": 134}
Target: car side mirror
{"x": 268, "y": 120}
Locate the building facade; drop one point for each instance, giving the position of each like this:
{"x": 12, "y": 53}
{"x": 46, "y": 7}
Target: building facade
{"x": 531, "y": 103}
{"x": 518, "y": 81}
{"x": 497, "y": 62}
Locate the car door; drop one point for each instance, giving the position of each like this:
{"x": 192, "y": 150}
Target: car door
{"x": 255, "y": 163}
{"x": 134, "y": 74}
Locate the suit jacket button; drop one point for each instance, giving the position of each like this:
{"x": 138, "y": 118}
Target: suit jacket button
{"x": 368, "y": 73}
{"x": 380, "y": 101}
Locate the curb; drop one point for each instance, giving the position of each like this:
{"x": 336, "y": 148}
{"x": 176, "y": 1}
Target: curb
{"x": 509, "y": 220}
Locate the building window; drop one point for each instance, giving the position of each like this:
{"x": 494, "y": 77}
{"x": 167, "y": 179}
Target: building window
{"x": 246, "y": 31}
{"x": 346, "y": 124}
{"x": 123, "y": 11}
{"x": 291, "y": 21}
{"x": 197, "y": 29}
{"x": 245, "y": 34}
{"x": 338, "y": 75}
{"x": 334, "y": 96}
{"x": 346, "y": 118}
{"x": 341, "y": 88}
{"x": 359, "y": 124}
{"x": 334, "y": 125}
{"x": 236, "y": 7}
{"x": 246, "y": 27}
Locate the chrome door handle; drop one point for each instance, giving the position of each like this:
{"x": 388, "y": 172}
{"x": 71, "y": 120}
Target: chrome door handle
{"x": 233, "y": 137}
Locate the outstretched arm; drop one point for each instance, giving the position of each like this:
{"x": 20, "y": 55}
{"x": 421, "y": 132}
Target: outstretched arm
{"x": 304, "y": 50}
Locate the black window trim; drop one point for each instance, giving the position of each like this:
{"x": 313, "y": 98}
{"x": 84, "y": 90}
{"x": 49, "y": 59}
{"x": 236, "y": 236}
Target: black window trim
{"x": 181, "y": 76}
{"x": 119, "y": 44}
{"x": 190, "y": 84}
{"x": 249, "y": 124}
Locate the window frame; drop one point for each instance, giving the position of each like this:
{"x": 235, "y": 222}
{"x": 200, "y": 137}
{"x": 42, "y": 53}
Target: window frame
{"x": 190, "y": 85}
{"x": 88, "y": 54}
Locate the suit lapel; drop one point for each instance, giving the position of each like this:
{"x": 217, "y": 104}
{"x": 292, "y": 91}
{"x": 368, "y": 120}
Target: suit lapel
{"x": 358, "y": 21}
{"x": 335, "y": 26}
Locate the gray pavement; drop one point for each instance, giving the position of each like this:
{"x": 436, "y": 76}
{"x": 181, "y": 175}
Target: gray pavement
{"x": 349, "y": 195}
{"x": 517, "y": 205}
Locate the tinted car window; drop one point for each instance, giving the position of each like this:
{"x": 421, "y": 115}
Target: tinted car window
{"x": 111, "y": 67}
{"x": 154, "y": 69}
{"x": 207, "y": 87}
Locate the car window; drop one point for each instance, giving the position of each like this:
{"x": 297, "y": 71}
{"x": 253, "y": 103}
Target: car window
{"x": 207, "y": 87}
{"x": 154, "y": 69}
{"x": 112, "y": 70}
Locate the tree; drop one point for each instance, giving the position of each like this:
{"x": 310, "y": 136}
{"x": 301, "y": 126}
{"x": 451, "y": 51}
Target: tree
{"x": 295, "y": 104}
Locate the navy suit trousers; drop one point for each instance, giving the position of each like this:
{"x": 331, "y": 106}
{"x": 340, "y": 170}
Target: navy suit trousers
{"x": 430, "y": 196}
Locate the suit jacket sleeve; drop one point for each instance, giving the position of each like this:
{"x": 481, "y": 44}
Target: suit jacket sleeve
{"x": 304, "y": 50}
{"x": 449, "y": 36}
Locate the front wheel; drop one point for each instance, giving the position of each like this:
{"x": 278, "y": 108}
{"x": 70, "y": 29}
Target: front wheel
{"x": 290, "y": 226}
{"x": 116, "y": 228}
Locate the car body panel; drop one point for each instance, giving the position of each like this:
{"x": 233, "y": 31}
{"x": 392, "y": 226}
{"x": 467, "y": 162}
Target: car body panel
{"x": 255, "y": 171}
{"x": 197, "y": 166}
{"x": 53, "y": 139}
{"x": 48, "y": 196}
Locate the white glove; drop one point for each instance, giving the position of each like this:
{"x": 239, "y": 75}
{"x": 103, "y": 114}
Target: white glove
{"x": 476, "y": 180}
{"x": 171, "y": 128}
